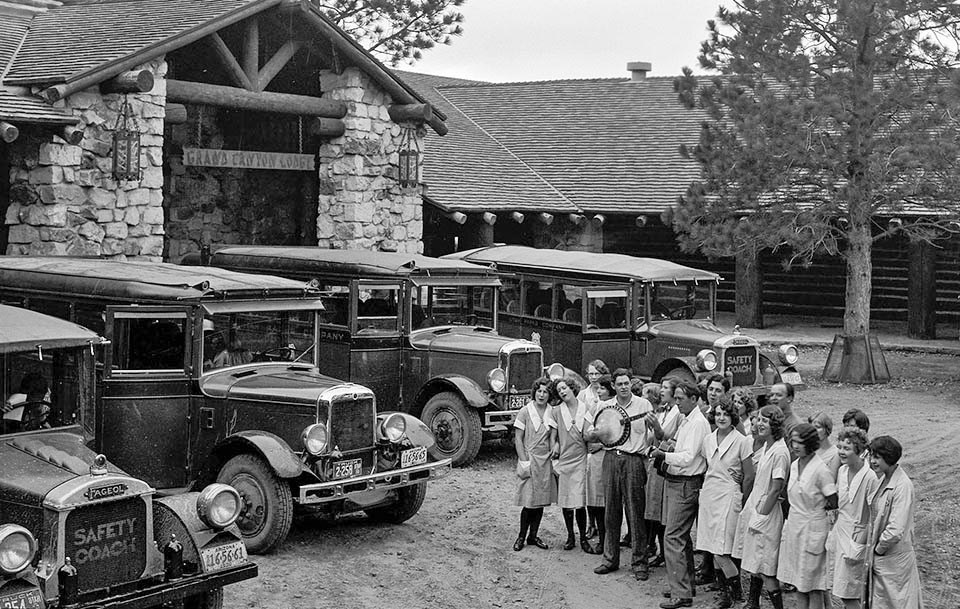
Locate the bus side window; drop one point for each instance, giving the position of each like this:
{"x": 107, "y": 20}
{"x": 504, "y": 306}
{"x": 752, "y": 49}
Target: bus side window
{"x": 149, "y": 344}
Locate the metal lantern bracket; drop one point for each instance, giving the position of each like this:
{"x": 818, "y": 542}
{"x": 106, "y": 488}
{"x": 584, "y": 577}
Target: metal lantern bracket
{"x": 126, "y": 145}
{"x": 409, "y": 159}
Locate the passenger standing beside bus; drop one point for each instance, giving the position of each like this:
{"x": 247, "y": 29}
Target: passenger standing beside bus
{"x": 570, "y": 415}
{"x": 846, "y": 544}
{"x": 590, "y": 396}
{"x": 757, "y": 541}
{"x": 534, "y": 439}
{"x": 811, "y": 491}
{"x": 668, "y": 416}
{"x": 894, "y": 579}
{"x": 595, "y": 452}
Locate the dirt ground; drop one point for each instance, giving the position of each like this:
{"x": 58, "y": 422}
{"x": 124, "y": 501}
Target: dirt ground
{"x": 457, "y": 551}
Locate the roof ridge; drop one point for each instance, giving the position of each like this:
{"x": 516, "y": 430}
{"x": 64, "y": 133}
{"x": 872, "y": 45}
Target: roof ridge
{"x": 509, "y": 152}
{"x": 609, "y": 79}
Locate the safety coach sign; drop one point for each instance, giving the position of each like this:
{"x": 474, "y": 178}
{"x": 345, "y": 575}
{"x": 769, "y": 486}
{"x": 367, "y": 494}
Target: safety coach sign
{"x": 247, "y": 159}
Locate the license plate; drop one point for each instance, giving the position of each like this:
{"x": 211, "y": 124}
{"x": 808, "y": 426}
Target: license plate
{"x": 413, "y": 456}
{"x": 791, "y": 377}
{"x": 347, "y": 469}
{"x": 222, "y": 557}
{"x": 28, "y": 599}
{"x": 516, "y": 402}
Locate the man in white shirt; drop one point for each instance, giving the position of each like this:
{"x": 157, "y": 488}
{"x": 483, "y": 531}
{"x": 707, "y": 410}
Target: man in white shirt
{"x": 685, "y": 468}
{"x": 624, "y": 479}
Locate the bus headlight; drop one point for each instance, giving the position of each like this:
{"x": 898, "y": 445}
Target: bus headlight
{"x": 497, "y": 380}
{"x": 219, "y": 505}
{"x": 706, "y": 360}
{"x": 556, "y": 371}
{"x": 394, "y": 428}
{"x": 315, "y": 439}
{"x": 788, "y": 355}
{"x": 17, "y": 547}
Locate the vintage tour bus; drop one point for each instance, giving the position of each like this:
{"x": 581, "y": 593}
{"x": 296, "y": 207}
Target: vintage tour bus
{"x": 652, "y": 316}
{"x": 211, "y": 375}
{"x": 76, "y": 531}
{"x": 418, "y": 330}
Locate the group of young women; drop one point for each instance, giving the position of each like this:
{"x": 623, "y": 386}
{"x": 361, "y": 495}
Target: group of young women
{"x": 846, "y": 527}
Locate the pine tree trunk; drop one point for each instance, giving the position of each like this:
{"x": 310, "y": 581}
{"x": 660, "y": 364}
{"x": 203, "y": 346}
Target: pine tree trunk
{"x": 856, "y": 317}
{"x": 749, "y": 289}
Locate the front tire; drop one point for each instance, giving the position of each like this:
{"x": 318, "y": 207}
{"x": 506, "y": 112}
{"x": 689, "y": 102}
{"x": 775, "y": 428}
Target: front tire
{"x": 409, "y": 500}
{"x": 267, "y": 502}
{"x": 211, "y": 599}
{"x": 455, "y": 426}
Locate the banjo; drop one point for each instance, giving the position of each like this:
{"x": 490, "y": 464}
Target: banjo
{"x": 613, "y": 425}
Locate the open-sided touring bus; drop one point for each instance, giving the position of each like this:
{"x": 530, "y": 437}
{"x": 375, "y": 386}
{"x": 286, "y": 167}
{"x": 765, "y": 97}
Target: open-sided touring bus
{"x": 653, "y": 316}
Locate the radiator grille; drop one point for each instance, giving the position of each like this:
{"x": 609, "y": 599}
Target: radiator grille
{"x": 742, "y": 363}
{"x": 351, "y": 423}
{"x": 107, "y": 543}
{"x": 524, "y": 368}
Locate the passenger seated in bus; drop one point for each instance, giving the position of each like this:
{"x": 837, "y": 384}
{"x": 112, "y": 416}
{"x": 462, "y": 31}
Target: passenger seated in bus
{"x": 234, "y": 355}
{"x": 28, "y": 409}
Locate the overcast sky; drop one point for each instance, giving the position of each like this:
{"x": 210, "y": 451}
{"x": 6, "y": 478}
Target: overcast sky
{"x": 518, "y": 40}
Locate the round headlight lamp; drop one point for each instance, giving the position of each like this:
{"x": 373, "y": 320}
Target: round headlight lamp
{"x": 707, "y": 360}
{"x": 315, "y": 439}
{"x": 497, "y": 380}
{"x": 219, "y": 505}
{"x": 17, "y": 548}
{"x": 788, "y": 355}
{"x": 556, "y": 371}
{"x": 394, "y": 428}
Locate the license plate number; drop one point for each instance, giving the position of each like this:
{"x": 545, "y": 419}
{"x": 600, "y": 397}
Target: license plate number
{"x": 791, "y": 377}
{"x": 516, "y": 402}
{"x": 347, "y": 469}
{"x": 28, "y": 599}
{"x": 222, "y": 557}
{"x": 413, "y": 456}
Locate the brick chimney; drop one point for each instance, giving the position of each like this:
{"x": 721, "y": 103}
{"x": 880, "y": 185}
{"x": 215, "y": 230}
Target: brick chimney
{"x": 638, "y": 69}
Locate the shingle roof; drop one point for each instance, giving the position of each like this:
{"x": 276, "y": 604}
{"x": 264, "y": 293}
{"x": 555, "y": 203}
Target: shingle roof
{"x": 73, "y": 39}
{"x": 467, "y": 170}
{"x": 18, "y": 107}
{"x": 606, "y": 144}
{"x": 12, "y": 32}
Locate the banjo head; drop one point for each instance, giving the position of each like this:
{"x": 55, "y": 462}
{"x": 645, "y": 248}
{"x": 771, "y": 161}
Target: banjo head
{"x": 610, "y": 427}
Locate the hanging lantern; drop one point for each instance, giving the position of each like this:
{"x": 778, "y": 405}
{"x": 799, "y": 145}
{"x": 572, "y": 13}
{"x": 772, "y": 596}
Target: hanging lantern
{"x": 126, "y": 146}
{"x": 409, "y": 159}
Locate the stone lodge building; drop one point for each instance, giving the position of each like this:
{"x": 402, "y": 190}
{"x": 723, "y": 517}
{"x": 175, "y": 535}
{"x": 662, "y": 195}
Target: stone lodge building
{"x": 145, "y": 128}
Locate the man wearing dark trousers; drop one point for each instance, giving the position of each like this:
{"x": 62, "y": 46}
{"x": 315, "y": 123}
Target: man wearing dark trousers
{"x": 624, "y": 478}
{"x": 685, "y": 468}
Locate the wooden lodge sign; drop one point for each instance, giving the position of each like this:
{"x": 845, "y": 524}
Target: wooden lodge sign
{"x": 248, "y": 159}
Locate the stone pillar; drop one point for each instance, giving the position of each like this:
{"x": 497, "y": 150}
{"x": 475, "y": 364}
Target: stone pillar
{"x": 63, "y": 198}
{"x": 361, "y": 204}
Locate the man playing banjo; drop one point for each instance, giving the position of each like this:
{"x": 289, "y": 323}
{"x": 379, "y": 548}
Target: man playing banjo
{"x": 626, "y": 426}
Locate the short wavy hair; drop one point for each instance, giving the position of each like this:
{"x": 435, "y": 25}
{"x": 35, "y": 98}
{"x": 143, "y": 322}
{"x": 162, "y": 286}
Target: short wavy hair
{"x": 776, "y": 418}
{"x": 725, "y": 404}
{"x": 824, "y": 419}
{"x": 606, "y": 381}
{"x": 856, "y": 437}
{"x": 651, "y": 391}
{"x": 537, "y": 383}
{"x": 887, "y": 448}
{"x": 746, "y": 397}
{"x": 569, "y": 381}
{"x": 808, "y": 437}
{"x": 601, "y": 367}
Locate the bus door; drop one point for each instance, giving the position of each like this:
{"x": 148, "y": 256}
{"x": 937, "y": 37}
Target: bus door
{"x": 144, "y": 425}
{"x": 606, "y": 335}
{"x": 376, "y": 340}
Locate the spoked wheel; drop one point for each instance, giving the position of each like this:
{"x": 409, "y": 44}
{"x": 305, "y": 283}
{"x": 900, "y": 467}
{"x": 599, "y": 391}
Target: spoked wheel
{"x": 455, "y": 426}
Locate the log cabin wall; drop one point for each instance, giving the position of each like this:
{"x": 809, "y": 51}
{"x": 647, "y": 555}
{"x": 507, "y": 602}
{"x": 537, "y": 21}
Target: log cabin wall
{"x": 63, "y": 198}
{"x": 817, "y": 290}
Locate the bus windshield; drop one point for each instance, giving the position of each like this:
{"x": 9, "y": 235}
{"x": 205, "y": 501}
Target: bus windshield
{"x": 231, "y": 339}
{"x": 452, "y": 305}
{"x": 679, "y": 301}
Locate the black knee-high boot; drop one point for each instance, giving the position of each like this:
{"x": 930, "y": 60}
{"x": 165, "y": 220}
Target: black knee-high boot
{"x": 524, "y": 527}
{"x": 753, "y": 595}
{"x": 533, "y": 539}
{"x": 776, "y": 598}
{"x": 581, "y": 515}
{"x": 568, "y": 521}
{"x": 734, "y": 587}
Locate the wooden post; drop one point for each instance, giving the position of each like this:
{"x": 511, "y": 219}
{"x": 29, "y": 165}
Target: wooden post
{"x": 476, "y": 233}
{"x": 175, "y": 114}
{"x": 749, "y": 289}
{"x": 265, "y": 101}
{"x": 137, "y": 81}
{"x": 922, "y": 291}
{"x": 8, "y": 133}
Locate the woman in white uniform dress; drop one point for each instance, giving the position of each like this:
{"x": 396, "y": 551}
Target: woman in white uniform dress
{"x": 534, "y": 439}
{"x": 729, "y": 470}
{"x": 811, "y": 491}
{"x": 591, "y": 395}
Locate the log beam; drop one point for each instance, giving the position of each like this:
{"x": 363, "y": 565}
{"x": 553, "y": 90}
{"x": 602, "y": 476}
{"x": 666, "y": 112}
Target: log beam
{"x": 8, "y": 133}
{"x": 175, "y": 114}
{"x": 489, "y": 218}
{"x": 545, "y": 218}
{"x": 283, "y": 56}
{"x": 417, "y": 113}
{"x": 251, "y": 49}
{"x": 326, "y": 127}
{"x": 516, "y": 217}
{"x": 72, "y": 134}
{"x": 136, "y": 81}
{"x": 237, "y": 73}
{"x": 182, "y": 91}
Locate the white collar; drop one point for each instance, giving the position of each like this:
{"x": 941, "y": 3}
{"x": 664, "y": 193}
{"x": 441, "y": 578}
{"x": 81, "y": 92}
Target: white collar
{"x": 575, "y": 419}
{"x": 534, "y": 415}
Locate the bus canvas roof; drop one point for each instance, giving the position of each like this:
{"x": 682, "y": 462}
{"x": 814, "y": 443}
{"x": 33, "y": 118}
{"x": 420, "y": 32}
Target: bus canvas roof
{"x": 23, "y": 330}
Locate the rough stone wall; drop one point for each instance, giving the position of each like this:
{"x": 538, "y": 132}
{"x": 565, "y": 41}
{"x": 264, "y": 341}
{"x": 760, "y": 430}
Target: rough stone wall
{"x": 361, "y": 203}
{"x": 63, "y": 198}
